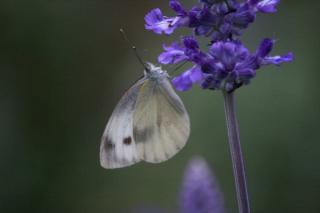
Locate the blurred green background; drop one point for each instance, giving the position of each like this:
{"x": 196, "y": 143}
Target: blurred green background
{"x": 64, "y": 66}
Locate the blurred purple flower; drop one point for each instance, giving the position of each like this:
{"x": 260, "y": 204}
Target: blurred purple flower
{"x": 200, "y": 192}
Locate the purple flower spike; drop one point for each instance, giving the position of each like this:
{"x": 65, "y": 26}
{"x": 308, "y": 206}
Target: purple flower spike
{"x": 227, "y": 64}
{"x": 200, "y": 191}
{"x": 158, "y": 24}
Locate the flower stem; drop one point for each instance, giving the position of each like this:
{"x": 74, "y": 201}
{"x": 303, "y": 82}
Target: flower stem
{"x": 236, "y": 153}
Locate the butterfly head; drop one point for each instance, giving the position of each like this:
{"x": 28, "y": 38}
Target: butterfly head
{"x": 154, "y": 72}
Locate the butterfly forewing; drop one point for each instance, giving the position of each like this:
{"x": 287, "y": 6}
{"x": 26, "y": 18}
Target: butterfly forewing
{"x": 118, "y": 148}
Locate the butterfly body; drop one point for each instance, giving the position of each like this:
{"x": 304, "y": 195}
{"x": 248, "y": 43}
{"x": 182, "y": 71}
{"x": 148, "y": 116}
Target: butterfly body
{"x": 150, "y": 123}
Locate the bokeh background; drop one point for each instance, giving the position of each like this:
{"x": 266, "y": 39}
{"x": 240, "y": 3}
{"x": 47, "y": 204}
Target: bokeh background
{"x": 64, "y": 66}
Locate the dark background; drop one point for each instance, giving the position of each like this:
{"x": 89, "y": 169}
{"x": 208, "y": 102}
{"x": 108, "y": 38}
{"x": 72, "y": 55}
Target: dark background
{"x": 64, "y": 66}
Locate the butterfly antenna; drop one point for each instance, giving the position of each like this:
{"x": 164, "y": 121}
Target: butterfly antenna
{"x": 134, "y": 48}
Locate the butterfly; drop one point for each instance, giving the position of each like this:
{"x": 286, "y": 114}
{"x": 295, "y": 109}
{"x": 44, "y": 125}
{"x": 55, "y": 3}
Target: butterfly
{"x": 150, "y": 123}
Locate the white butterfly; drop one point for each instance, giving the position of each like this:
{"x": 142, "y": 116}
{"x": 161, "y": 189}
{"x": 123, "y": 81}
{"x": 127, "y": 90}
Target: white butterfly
{"x": 150, "y": 123}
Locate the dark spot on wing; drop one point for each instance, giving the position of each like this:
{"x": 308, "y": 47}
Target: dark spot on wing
{"x": 127, "y": 140}
{"x": 108, "y": 144}
{"x": 142, "y": 135}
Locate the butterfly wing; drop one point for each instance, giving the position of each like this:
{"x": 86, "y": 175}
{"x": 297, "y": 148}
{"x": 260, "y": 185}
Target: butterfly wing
{"x": 118, "y": 148}
{"x": 161, "y": 123}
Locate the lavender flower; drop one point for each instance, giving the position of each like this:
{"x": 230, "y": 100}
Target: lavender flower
{"x": 156, "y": 22}
{"x": 227, "y": 64}
{"x": 159, "y": 24}
{"x": 200, "y": 192}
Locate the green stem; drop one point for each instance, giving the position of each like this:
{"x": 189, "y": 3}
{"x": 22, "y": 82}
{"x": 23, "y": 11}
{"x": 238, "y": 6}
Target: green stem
{"x": 236, "y": 153}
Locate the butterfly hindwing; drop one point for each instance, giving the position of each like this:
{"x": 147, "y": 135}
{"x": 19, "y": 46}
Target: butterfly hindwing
{"x": 161, "y": 124}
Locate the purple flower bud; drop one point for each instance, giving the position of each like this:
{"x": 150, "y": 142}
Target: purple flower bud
{"x": 241, "y": 19}
{"x": 190, "y": 43}
{"x": 200, "y": 191}
{"x": 265, "y": 47}
{"x": 177, "y": 7}
{"x": 227, "y": 54}
{"x": 194, "y": 17}
{"x": 192, "y": 50}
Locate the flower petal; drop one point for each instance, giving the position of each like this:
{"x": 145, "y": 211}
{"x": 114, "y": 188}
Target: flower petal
{"x": 158, "y": 24}
{"x": 195, "y": 74}
{"x": 267, "y": 6}
{"x": 181, "y": 83}
{"x": 190, "y": 43}
{"x": 173, "y": 54}
{"x": 153, "y": 16}
{"x": 185, "y": 81}
{"x": 277, "y": 60}
{"x": 228, "y": 53}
